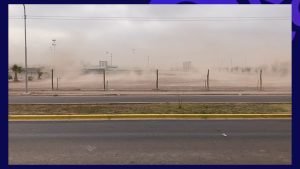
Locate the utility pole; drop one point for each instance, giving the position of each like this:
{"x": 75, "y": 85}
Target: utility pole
{"x": 53, "y": 55}
{"x": 260, "y": 79}
{"x": 54, "y": 44}
{"x": 156, "y": 79}
{"x": 26, "y": 75}
{"x": 207, "y": 79}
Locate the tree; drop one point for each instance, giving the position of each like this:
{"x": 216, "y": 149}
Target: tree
{"x": 16, "y": 69}
{"x": 40, "y": 73}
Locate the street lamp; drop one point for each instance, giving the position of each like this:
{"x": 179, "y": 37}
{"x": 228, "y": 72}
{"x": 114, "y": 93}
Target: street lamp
{"x": 109, "y": 56}
{"x": 54, "y": 44}
{"x": 26, "y": 77}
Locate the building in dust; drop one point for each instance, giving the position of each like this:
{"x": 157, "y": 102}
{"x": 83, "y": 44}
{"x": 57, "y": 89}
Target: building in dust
{"x": 187, "y": 66}
{"x": 103, "y": 65}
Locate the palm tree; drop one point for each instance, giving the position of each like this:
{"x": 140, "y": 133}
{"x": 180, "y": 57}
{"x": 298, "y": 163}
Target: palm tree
{"x": 16, "y": 69}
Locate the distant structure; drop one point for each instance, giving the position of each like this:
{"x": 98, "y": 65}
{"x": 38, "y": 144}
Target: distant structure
{"x": 187, "y": 66}
{"x": 103, "y": 64}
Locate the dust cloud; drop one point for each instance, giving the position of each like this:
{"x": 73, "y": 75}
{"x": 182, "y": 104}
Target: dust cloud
{"x": 234, "y": 50}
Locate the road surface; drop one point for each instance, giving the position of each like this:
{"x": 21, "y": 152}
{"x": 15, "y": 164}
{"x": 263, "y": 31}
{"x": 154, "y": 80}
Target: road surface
{"x": 146, "y": 99}
{"x": 150, "y": 142}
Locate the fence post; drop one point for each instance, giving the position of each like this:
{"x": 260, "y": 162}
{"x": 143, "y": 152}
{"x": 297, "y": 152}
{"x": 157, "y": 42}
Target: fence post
{"x": 260, "y": 80}
{"x": 104, "y": 86}
{"x": 207, "y": 79}
{"x": 156, "y": 79}
{"x": 107, "y": 85}
{"x": 56, "y": 83}
{"x": 52, "y": 79}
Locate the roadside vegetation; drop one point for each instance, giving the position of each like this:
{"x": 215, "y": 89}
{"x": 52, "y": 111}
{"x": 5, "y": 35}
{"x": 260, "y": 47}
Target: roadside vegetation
{"x": 163, "y": 108}
{"x": 16, "y": 70}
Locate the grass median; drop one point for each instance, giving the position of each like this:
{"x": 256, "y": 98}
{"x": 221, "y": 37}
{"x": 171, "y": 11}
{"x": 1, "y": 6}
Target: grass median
{"x": 163, "y": 108}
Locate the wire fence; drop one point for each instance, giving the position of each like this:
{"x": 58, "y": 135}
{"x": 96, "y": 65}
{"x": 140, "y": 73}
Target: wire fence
{"x": 155, "y": 80}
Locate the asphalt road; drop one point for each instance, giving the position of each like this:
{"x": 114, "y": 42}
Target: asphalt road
{"x": 146, "y": 99}
{"x": 150, "y": 142}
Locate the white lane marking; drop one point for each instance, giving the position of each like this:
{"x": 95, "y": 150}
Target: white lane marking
{"x": 224, "y": 134}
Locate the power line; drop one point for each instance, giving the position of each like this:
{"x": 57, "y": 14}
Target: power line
{"x": 219, "y": 18}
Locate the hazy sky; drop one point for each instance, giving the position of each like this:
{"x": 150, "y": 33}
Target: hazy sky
{"x": 239, "y": 35}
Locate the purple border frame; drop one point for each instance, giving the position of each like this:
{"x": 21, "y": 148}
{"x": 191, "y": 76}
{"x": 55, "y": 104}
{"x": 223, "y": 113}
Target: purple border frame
{"x": 4, "y": 68}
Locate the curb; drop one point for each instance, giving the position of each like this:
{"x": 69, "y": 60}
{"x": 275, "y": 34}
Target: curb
{"x": 151, "y": 94}
{"x": 145, "y": 116}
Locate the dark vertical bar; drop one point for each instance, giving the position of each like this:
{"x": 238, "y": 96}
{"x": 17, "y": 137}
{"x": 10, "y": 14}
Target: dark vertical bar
{"x": 26, "y": 76}
{"x": 111, "y": 59}
{"x": 107, "y": 85}
{"x": 207, "y": 80}
{"x": 156, "y": 79}
{"x": 104, "y": 86}
{"x": 52, "y": 79}
{"x": 260, "y": 80}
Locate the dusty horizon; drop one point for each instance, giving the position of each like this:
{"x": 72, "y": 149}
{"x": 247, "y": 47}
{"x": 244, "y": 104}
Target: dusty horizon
{"x": 244, "y": 35}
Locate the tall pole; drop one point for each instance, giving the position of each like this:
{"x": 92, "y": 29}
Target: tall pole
{"x": 54, "y": 44}
{"x": 26, "y": 76}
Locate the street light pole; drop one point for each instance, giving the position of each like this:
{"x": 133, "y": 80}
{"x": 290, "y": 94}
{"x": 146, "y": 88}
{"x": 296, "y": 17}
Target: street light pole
{"x": 109, "y": 54}
{"x": 54, "y": 44}
{"x": 52, "y": 75}
{"x": 26, "y": 76}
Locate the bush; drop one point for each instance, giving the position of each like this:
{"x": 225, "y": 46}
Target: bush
{"x": 30, "y": 78}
